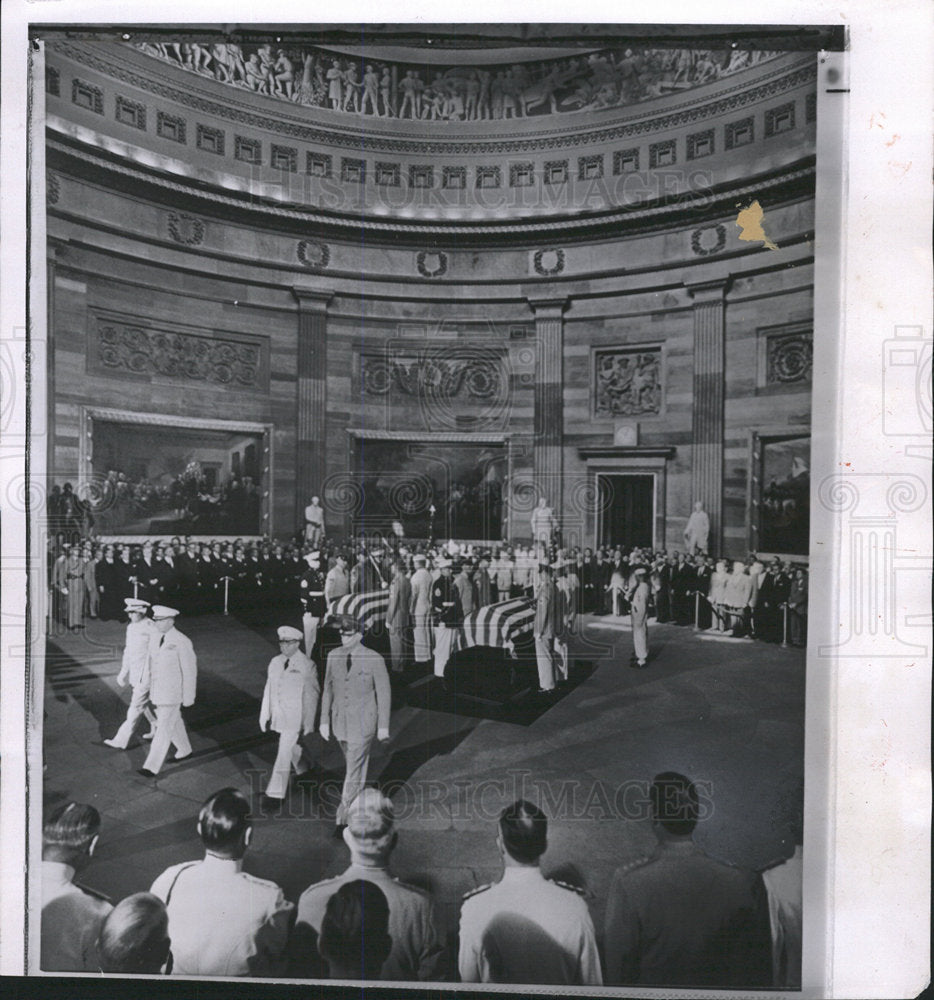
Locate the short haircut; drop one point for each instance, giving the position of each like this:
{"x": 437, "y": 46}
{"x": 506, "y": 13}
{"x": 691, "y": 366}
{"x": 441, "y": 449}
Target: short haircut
{"x": 355, "y": 927}
{"x": 134, "y": 937}
{"x": 370, "y": 822}
{"x": 224, "y": 819}
{"x": 71, "y": 827}
{"x": 675, "y": 802}
{"x": 524, "y": 830}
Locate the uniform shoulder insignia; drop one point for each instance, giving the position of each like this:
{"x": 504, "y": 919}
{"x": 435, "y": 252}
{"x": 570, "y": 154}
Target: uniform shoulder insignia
{"x": 639, "y": 862}
{"x": 255, "y": 880}
{"x": 93, "y": 893}
{"x": 479, "y": 889}
{"x": 567, "y": 885}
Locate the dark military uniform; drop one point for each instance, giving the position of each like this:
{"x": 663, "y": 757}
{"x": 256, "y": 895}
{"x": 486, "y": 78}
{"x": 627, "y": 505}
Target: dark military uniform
{"x": 446, "y": 615}
{"x": 679, "y": 918}
{"x": 314, "y": 605}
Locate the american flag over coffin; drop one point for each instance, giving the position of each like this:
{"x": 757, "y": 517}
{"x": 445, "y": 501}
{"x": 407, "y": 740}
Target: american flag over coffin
{"x": 368, "y": 609}
{"x": 499, "y": 624}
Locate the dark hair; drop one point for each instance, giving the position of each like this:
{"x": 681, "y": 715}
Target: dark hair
{"x": 524, "y": 830}
{"x": 675, "y": 803}
{"x": 223, "y": 820}
{"x": 71, "y": 827}
{"x": 134, "y": 937}
{"x": 355, "y": 929}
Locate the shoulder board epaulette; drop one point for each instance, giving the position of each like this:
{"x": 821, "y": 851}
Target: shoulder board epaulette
{"x": 567, "y": 885}
{"x": 93, "y": 893}
{"x": 479, "y": 889}
{"x": 259, "y": 881}
{"x": 635, "y": 863}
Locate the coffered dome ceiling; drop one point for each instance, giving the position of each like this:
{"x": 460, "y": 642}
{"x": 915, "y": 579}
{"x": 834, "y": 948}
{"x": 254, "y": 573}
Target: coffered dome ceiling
{"x": 446, "y": 132}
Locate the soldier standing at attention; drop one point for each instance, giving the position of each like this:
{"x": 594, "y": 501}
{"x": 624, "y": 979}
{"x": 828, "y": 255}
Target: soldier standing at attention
{"x": 421, "y": 610}
{"x": 314, "y": 606}
{"x": 397, "y": 614}
{"x": 446, "y": 614}
{"x": 290, "y": 704}
{"x": 71, "y": 915}
{"x": 222, "y": 921}
{"x": 639, "y": 606}
{"x": 417, "y": 949}
{"x": 135, "y": 670}
{"x": 526, "y": 928}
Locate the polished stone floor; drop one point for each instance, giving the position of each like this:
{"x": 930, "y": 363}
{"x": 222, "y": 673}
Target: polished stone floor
{"x": 728, "y": 713}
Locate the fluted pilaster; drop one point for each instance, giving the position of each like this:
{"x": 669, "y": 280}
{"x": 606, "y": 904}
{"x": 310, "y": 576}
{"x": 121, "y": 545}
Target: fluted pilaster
{"x": 548, "y": 455}
{"x": 707, "y": 437}
{"x": 311, "y": 396}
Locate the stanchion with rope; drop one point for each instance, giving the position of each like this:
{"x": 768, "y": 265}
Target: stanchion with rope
{"x": 697, "y": 611}
{"x": 226, "y": 587}
{"x": 50, "y": 613}
{"x": 135, "y": 590}
{"x": 784, "y": 626}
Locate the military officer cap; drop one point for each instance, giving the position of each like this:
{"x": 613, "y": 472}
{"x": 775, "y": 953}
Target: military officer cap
{"x": 160, "y": 611}
{"x": 289, "y": 634}
{"x": 640, "y": 571}
{"x": 135, "y": 604}
{"x": 313, "y": 557}
{"x": 420, "y": 559}
{"x": 442, "y": 563}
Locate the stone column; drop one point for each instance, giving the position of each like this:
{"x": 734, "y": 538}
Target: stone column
{"x": 707, "y": 438}
{"x": 311, "y": 398}
{"x": 548, "y": 453}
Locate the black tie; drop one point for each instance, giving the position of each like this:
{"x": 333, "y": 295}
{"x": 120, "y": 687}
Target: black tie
{"x": 349, "y": 661}
{"x": 286, "y": 667}
{"x": 161, "y": 640}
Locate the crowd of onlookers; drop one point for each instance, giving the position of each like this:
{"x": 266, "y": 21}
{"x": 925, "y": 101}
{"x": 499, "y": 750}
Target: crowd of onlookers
{"x": 675, "y": 916}
{"x": 318, "y": 78}
{"x": 752, "y": 597}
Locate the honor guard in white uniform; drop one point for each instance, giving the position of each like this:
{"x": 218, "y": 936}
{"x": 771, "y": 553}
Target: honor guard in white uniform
{"x": 135, "y": 671}
{"x": 173, "y": 669}
{"x": 421, "y": 610}
{"x": 71, "y": 914}
{"x": 290, "y": 704}
{"x": 639, "y": 606}
{"x": 447, "y": 615}
{"x": 314, "y": 606}
{"x": 222, "y": 921}
{"x": 417, "y": 952}
{"x": 525, "y": 928}
{"x": 355, "y": 706}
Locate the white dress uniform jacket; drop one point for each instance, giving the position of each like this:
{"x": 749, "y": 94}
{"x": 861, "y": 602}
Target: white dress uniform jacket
{"x": 173, "y": 677}
{"x": 135, "y": 665}
{"x": 71, "y": 921}
{"x": 526, "y": 929}
{"x": 290, "y": 699}
{"x": 222, "y": 921}
{"x": 174, "y": 669}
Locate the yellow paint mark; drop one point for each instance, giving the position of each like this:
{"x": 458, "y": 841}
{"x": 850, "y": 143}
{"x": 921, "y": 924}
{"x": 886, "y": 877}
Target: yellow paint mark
{"x": 749, "y": 221}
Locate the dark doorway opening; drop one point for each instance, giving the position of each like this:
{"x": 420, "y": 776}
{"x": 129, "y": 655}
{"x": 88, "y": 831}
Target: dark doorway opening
{"x": 627, "y": 505}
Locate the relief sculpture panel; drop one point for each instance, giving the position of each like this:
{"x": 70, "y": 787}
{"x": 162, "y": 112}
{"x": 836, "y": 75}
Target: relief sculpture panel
{"x": 628, "y": 382}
